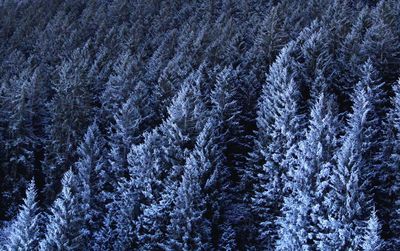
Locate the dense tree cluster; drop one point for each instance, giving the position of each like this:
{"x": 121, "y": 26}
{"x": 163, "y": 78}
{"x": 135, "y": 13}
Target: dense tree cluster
{"x": 200, "y": 125}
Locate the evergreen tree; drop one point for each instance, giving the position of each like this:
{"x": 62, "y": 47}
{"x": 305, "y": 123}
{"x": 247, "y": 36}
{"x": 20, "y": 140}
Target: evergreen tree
{"x": 71, "y": 110}
{"x": 347, "y": 202}
{"x": 206, "y": 162}
{"x": 393, "y": 166}
{"x": 372, "y": 240}
{"x": 349, "y": 53}
{"x": 175, "y": 138}
{"x": 21, "y": 141}
{"x": 315, "y": 71}
{"x": 280, "y": 126}
{"x": 189, "y": 229}
{"x": 308, "y": 178}
{"x": 131, "y": 121}
{"x": 25, "y": 230}
{"x": 380, "y": 45}
{"x": 374, "y": 149}
{"x": 227, "y": 112}
{"x": 63, "y": 230}
{"x": 119, "y": 84}
{"x": 91, "y": 180}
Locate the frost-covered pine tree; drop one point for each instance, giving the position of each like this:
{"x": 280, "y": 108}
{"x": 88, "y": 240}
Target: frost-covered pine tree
{"x": 315, "y": 71}
{"x": 380, "y": 44}
{"x": 347, "y": 202}
{"x": 189, "y": 228}
{"x": 67, "y": 123}
{"x": 25, "y": 230}
{"x": 91, "y": 180}
{"x": 349, "y": 53}
{"x": 21, "y": 143}
{"x": 298, "y": 227}
{"x": 372, "y": 240}
{"x": 167, "y": 146}
{"x": 280, "y": 125}
{"x": 394, "y": 169}
{"x": 227, "y": 111}
{"x": 63, "y": 229}
{"x": 117, "y": 86}
{"x": 130, "y": 122}
{"x": 375, "y": 151}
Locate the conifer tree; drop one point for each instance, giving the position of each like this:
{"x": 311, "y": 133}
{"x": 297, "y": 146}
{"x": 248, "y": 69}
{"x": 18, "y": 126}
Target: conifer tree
{"x": 347, "y": 202}
{"x": 393, "y": 166}
{"x": 375, "y": 151}
{"x": 349, "y": 53}
{"x": 372, "y": 240}
{"x": 71, "y": 110}
{"x": 91, "y": 180}
{"x": 207, "y": 161}
{"x": 135, "y": 117}
{"x": 379, "y": 45}
{"x": 189, "y": 229}
{"x": 63, "y": 230}
{"x": 119, "y": 84}
{"x": 227, "y": 113}
{"x": 280, "y": 125}
{"x": 299, "y": 223}
{"x": 21, "y": 141}
{"x": 176, "y": 135}
{"x": 25, "y": 230}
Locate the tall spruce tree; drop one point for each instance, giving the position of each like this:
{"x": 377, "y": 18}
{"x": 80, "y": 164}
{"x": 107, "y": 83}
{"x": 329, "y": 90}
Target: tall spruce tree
{"x": 298, "y": 227}
{"x": 189, "y": 228}
{"x": 25, "y": 230}
{"x": 177, "y": 137}
{"x": 280, "y": 126}
{"x": 71, "y": 110}
{"x": 64, "y": 227}
{"x": 393, "y": 166}
{"x": 347, "y": 202}
{"x": 375, "y": 151}
{"x": 21, "y": 142}
{"x": 372, "y": 240}
{"x": 91, "y": 181}
{"x": 379, "y": 45}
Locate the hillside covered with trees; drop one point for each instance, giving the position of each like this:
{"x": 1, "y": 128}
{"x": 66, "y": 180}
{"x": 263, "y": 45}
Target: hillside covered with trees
{"x": 199, "y": 125}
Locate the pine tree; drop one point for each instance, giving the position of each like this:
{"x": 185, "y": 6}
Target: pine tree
{"x": 280, "y": 125}
{"x": 133, "y": 119}
{"x": 375, "y": 151}
{"x": 227, "y": 112}
{"x": 146, "y": 182}
{"x": 189, "y": 229}
{"x": 63, "y": 230}
{"x": 25, "y": 230}
{"x": 393, "y": 166}
{"x": 71, "y": 111}
{"x": 167, "y": 147}
{"x": 118, "y": 86}
{"x": 380, "y": 45}
{"x": 91, "y": 181}
{"x": 121, "y": 211}
{"x": 315, "y": 71}
{"x": 21, "y": 141}
{"x": 372, "y": 240}
{"x": 347, "y": 202}
{"x": 349, "y": 55}
{"x": 299, "y": 223}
